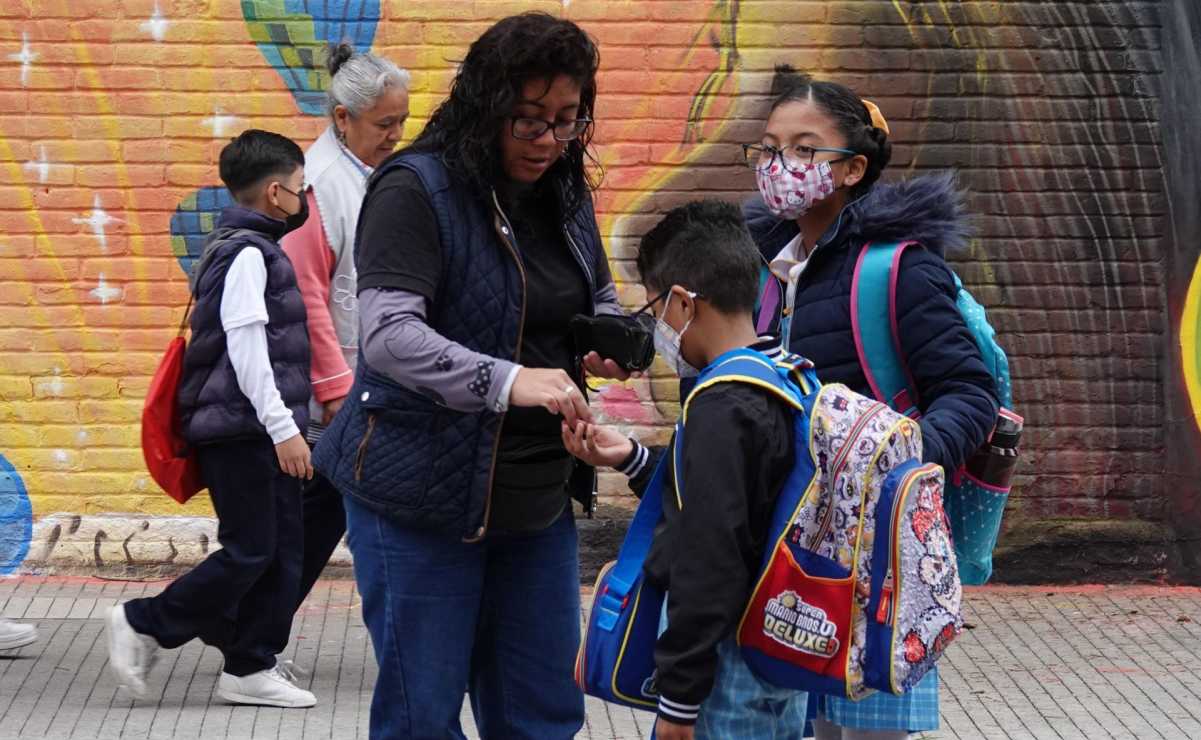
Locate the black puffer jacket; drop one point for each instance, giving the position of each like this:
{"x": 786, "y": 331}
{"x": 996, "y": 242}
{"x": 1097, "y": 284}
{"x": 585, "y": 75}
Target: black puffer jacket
{"x": 958, "y": 396}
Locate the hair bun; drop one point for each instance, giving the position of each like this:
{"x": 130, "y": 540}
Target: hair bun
{"x": 787, "y": 78}
{"x": 338, "y": 54}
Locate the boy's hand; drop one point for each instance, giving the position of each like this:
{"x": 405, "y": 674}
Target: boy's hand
{"x": 553, "y": 390}
{"x": 596, "y": 445}
{"x": 665, "y": 730}
{"x": 601, "y": 368}
{"x": 330, "y": 409}
{"x": 294, "y": 457}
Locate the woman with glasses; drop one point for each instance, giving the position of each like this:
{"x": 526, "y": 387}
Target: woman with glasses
{"x": 476, "y": 246}
{"x": 817, "y": 166}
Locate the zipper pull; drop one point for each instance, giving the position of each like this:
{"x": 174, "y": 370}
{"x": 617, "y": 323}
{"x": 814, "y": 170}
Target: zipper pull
{"x": 885, "y": 603}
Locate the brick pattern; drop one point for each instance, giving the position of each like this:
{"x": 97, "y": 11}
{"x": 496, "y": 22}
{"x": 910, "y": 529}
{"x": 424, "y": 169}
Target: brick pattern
{"x": 112, "y": 113}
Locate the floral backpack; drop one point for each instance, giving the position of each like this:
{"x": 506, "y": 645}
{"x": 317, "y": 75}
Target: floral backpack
{"x": 858, "y": 589}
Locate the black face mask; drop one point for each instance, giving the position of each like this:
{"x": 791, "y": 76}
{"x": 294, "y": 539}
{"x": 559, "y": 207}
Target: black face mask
{"x": 295, "y": 220}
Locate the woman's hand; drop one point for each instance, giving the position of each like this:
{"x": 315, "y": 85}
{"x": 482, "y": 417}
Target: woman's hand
{"x": 665, "y": 730}
{"x": 596, "y": 445}
{"x": 553, "y": 390}
{"x": 601, "y": 368}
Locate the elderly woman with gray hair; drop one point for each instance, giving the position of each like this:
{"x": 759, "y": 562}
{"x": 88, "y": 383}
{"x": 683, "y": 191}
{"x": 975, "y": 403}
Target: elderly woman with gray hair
{"x": 368, "y": 105}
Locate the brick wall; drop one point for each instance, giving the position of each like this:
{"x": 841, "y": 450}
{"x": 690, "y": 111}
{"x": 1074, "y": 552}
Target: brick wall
{"x": 112, "y": 113}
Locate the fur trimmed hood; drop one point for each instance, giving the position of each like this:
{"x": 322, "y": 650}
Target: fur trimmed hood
{"x": 929, "y": 209}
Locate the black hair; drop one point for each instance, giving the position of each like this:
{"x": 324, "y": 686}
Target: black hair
{"x": 848, "y": 112}
{"x": 336, "y": 55}
{"x": 465, "y": 128}
{"x": 253, "y": 156}
{"x": 703, "y": 246}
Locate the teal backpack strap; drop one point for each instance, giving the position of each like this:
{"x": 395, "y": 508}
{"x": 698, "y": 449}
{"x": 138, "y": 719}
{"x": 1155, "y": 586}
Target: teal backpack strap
{"x": 874, "y": 325}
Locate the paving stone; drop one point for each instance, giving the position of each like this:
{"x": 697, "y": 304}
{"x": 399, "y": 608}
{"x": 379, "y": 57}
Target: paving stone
{"x": 1042, "y": 663}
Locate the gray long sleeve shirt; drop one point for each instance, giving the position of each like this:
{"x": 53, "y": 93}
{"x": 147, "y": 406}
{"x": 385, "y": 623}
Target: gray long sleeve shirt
{"x": 398, "y": 342}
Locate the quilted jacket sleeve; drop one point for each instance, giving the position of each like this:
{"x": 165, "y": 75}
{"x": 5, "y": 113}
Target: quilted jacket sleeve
{"x": 958, "y": 397}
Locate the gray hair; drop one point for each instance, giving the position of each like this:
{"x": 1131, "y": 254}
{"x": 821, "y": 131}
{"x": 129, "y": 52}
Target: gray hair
{"x": 357, "y": 80}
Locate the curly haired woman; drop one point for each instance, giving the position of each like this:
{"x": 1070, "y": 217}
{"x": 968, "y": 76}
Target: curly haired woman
{"x": 476, "y": 246}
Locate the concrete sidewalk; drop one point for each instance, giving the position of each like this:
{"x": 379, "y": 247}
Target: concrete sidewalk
{"x": 1084, "y": 663}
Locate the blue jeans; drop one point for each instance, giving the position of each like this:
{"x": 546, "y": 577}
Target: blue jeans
{"x": 498, "y": 619}
{"x": 743, "y": 705}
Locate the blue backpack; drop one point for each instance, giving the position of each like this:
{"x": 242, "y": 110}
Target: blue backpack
{"x": 976, "y": 493}
{"x": 858, "y": 588}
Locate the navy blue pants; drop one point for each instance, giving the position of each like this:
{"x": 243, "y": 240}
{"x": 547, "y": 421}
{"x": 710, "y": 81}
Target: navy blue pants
{"x": 241, "y": 598}
{"x": 499, "y": 620}
{"x": 324, "y": 526}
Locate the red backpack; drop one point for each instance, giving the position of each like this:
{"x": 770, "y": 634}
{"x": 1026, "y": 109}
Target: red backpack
{"x": 170, "y": 462}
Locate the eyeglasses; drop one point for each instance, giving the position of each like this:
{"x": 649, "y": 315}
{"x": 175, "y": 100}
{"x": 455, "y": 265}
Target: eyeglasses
{"x": 529, "y": 129}
{"x": 285, "y": 188}
{"x": 761, "y": 157}
{"x": 644, "y": 313}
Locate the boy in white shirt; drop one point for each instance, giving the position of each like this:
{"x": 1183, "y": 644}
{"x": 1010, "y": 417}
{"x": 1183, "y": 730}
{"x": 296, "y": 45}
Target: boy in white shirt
{"x": 243, "y": 401}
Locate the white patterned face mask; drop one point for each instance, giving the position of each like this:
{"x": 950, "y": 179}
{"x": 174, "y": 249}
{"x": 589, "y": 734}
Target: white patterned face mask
{"x": 667, "y": 344}
{"x": 789, "y": 195}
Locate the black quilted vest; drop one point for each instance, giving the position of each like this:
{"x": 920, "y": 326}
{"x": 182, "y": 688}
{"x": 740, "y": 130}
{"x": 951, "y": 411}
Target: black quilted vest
{"x": 212, "y": 407}
{"x": 400, "y": 453}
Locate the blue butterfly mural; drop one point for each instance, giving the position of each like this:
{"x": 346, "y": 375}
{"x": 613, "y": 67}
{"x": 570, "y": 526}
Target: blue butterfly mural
{"x": 16, "y": 518}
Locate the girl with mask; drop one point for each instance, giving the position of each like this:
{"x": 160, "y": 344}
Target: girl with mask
{"x": 817, "y": 166}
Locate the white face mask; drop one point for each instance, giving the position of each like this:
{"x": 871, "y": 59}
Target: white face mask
{"x": 667, "y": 344}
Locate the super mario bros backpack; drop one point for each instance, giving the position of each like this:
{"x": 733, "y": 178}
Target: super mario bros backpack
{"x": 859, "y": 587}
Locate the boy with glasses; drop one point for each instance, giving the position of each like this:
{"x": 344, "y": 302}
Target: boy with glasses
{"x": 243, "y": 401}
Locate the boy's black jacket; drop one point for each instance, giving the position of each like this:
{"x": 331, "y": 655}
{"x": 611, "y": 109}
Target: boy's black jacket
{"x": 738, "y": 452}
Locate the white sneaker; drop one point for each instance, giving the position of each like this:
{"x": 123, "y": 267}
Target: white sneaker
{"x": 270, "y": 688}
{"x": 14, "y": 634}
{"x": 130, "y": 654}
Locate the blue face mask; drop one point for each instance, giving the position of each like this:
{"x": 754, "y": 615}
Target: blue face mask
{"x": 667, "y": 344}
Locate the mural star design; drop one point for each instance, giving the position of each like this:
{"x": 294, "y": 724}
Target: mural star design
{"x": 54, "y": 385}
{"x": 25, "y": 57}
{"x": 104, "y": 292}
{"x": 156, "y": 25}
{"x": 219, "y": 122}
{"x": 98, "y": 221}
{"x": 41, "y": 166}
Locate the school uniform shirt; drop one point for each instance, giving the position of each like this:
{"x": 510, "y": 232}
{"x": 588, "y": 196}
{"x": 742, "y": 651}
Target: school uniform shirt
{"x": 244, "y": 319}
{"x": 737, "y": 454}
{"x": 788, "y": 266}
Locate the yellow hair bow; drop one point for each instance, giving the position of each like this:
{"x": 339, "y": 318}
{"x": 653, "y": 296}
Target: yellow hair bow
{"x": 877, "y": 117}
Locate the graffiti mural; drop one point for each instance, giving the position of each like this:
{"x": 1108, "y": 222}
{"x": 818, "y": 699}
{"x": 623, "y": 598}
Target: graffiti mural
{"x": 16, "y": 517}
{"x": 112, "y": 118}
{"x": 292, "y": 35}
